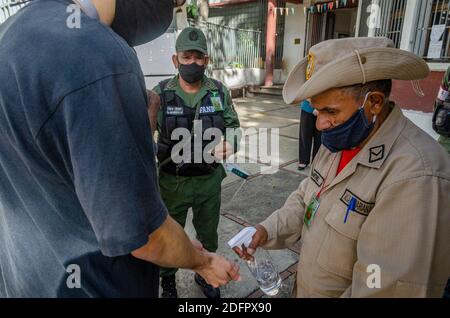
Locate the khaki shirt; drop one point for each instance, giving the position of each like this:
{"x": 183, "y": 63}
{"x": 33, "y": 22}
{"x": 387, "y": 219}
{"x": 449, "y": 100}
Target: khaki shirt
{"x": 401, "y": 183}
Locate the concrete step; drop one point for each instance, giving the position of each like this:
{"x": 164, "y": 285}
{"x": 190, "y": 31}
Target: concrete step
{"x": 276, "y": 90}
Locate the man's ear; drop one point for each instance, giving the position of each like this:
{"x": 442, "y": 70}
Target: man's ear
{"x": 206, "y": 60}
{"x": 175, "y": 61}
{"x": 376, "y": 102}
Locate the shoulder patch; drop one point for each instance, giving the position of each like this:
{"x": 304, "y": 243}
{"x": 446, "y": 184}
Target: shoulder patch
{"x": 362, "y": 207}
{"x": 171, "y": 85}
{"x": 210, "y": 85}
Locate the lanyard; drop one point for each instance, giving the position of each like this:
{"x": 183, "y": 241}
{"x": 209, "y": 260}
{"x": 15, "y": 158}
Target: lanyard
{"x": 323, "y": 188}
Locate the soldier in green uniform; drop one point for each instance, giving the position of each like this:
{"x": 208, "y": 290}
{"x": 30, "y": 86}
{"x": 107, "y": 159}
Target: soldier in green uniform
{"x": 442, "y": 104}
{"x": 188, "y": 97}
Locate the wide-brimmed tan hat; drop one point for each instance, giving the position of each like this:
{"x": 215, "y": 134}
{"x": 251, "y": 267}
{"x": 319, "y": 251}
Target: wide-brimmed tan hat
{"x": 351, "y": 61}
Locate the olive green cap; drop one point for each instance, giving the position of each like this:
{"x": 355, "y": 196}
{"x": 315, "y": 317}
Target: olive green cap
{"x": 192, "y": 39}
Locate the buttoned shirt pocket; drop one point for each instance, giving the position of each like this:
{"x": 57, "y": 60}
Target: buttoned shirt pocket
{"x": 337, "y": 254}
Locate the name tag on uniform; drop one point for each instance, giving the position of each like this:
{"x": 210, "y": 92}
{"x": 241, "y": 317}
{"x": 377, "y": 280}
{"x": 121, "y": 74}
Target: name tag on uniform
{"x": 207, "y": 110}
{"x": 217, "y": 103}
{"x": 174, "y": 110}
{"x": 311, "y": 211}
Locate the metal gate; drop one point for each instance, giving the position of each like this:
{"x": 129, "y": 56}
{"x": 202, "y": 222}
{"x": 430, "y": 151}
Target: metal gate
{"x": 391, "y": 17}
{"x": 232, "y": 47}
{"x": 9, "y": 7}
{"x": 433, "y": 24}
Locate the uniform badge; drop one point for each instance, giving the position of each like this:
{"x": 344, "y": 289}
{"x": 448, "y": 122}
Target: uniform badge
{"x": 356, "y": 204}
{"x": 193, "y": 36}
{"x": 207, "y": 110}
{"x": 311, "y": 66}
{"x": 376, "y": 154}
{"x": 217, "y": 103}
{"x": 317, "y": 178}
{"x": 175, "y": 110}
{"x": 311, "y": 211}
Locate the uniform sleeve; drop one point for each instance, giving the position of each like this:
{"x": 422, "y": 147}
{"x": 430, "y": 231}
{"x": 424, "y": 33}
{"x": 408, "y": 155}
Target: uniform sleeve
{"x": 101, "y": 135}
{"x": 231, "y": 119}
{"x": 406, "y": 237}
{"x": 285, "y": 225}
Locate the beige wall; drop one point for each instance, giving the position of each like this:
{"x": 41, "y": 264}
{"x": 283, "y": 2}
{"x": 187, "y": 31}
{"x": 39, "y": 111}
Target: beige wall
{"x": 295, "y": 27}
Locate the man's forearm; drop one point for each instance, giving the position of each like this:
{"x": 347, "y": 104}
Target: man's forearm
{"x": 154, "y": 106}
{"x": 169, "y": 246}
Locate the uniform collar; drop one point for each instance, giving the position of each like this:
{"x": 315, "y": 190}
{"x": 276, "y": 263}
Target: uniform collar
{"x": 207, "y": 85}
{"x": 376, "y": 151}
{"x": 174, "y": 83}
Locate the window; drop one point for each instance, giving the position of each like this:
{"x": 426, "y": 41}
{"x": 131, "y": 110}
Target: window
{"x": 432, "y": 38}
{"x": 8, "y": 8}
{"x": 383, "y": 18}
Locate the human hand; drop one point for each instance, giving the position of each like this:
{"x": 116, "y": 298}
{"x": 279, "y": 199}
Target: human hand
{"x": 258, "y": 239}
{"x": 198, "y": 246}
{"x": 218, "y": 271}
{"x": 223, "y": 150}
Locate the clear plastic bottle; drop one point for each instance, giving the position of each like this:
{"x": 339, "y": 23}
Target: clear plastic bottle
{"x": 262, "y": 266}
{"x": 265, "y": 272}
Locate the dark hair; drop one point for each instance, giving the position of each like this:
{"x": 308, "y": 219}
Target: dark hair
{"x": 360, "y": 91}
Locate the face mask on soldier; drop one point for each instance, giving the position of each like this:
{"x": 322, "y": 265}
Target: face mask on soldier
{"x": 191, "y": 73}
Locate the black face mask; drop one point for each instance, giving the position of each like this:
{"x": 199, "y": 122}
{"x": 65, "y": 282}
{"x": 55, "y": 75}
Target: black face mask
{"x": 191, "y": 73}
{"x": 141, "y": 21}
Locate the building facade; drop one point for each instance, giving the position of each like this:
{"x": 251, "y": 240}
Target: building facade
{"x": 419, "y": 26}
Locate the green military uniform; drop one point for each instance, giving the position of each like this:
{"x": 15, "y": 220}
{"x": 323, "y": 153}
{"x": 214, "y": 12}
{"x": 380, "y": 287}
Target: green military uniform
{"x": 445, "y": 141}
{"x": 202, "y": 193}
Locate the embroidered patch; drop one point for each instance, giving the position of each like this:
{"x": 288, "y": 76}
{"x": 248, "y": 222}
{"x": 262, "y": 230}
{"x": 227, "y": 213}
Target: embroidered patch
{"x": 193, "y": 36}
{"x": 443, "y": 95}
{"x": 207, "y": 110}
{"x": 362, "y": 207}
{"x": 376, "y": 153}
{"x": 317, "y": 178}
{"x": 174, "y": 110}
{"x": 311, "y": 66}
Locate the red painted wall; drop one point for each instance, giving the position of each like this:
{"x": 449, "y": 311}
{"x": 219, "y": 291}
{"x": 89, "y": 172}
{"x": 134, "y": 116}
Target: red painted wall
{"x": 404, "y": 95}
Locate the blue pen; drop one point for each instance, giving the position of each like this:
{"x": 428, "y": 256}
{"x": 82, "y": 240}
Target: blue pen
{"x": 351, "y": 207}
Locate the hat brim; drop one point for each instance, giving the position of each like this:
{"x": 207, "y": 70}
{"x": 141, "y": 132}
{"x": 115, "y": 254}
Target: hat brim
{"x": 379, "y": 64}
{"x": 193, "y": 48}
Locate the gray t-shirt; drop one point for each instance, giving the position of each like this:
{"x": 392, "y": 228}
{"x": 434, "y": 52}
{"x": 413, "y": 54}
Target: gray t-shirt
{"x": 77, "y": 169}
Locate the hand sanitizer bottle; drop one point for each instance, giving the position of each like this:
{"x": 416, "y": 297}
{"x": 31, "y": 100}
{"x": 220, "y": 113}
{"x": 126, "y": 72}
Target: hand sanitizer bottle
{"x": 262, "y": 267}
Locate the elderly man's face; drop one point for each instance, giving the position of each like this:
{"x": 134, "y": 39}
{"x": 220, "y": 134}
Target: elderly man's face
{"x": 334, "y": 108}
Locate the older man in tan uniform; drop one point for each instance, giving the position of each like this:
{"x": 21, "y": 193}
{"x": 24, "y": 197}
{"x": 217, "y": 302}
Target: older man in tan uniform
{"x": 374, "y": 215}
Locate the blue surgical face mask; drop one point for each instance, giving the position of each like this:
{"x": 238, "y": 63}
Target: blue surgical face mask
{"x": 349, "y": 134}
